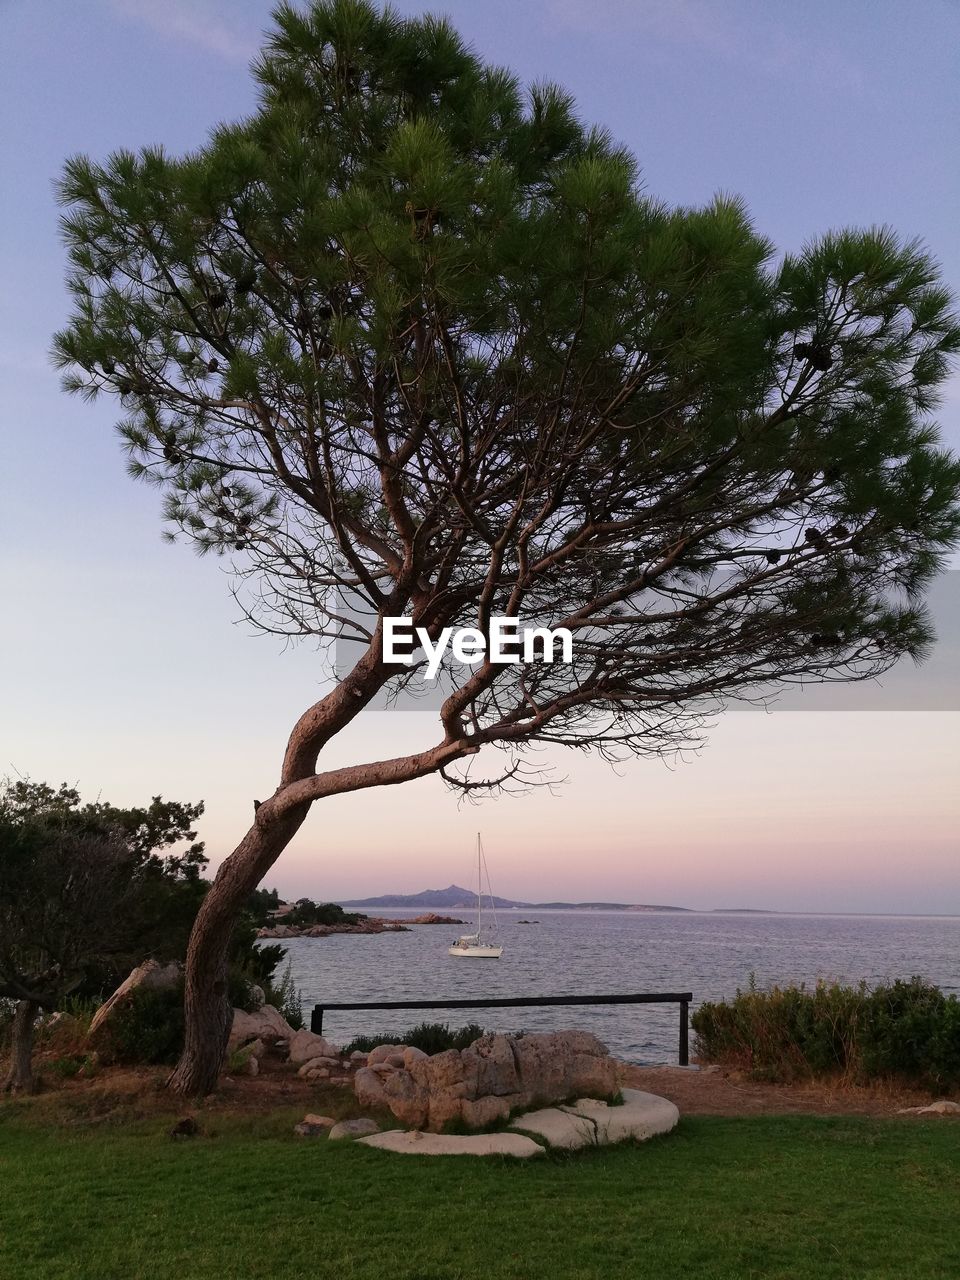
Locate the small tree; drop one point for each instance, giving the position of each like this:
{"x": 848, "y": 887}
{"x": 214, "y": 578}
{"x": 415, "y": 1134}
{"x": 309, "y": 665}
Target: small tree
{"x": 86, "y": 891}
{"x": 414, "y": 340}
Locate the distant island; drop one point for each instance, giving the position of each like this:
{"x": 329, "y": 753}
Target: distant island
{"x": 454, "y": 896}
{"x": 745, "y": 911}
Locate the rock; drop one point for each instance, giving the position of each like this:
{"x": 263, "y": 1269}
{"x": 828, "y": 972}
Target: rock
{"x": 449, "y": 1144}
{"x": 407, "y": 1099}
{"x": 312, "y": 1126}
{"x": 149, "y": 976}
{"x": 642, "y": 1116}
{"x": 317, "y": 1064}
{"x": 564, "y": 1064}
{"x": 257, "y": 997}
{"x": 368, "y": 1087}
{"x": 942, "y": 1107}
{"x": 490, "y": 1067}
{"x": 358, "y": 1056}
{"x": 384, "y": 1052}
{"x": 266, "y": 1025}
{"x": 304, "y": 1045}
{"x": 439, "y": 1072}
{"x": 354, "y": 1128}
{"x": 252, "y": 1066}
{"x": 493, "y": 1076}
{"x": 483, "y": 1111}
{"x": 559, "y": 1127}
{"x": 441, "y": 1079}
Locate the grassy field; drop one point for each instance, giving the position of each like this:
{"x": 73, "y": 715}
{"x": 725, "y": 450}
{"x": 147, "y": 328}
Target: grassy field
{"x": 789, "y": 1197}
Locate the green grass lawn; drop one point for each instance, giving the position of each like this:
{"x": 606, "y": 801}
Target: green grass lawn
{"x": 789, "y": 1197}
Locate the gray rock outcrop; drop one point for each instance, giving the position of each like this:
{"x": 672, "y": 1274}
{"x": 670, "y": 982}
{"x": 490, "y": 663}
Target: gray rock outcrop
{"x": 305, "y": 1046}
{"x": 267, "y": 1024}
{"x": 485, "y": 1082}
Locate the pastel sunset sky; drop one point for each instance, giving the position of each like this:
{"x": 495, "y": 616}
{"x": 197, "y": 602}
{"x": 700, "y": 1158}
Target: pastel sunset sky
{"x": 122, "y": 665}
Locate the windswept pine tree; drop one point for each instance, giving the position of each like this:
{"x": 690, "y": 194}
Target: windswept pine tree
{"x": 414, "y": 337}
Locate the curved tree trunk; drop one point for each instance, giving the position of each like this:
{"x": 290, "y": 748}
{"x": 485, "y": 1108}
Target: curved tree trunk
{"x": 207, "y": 1011}
{"x": 20, "y": 1077}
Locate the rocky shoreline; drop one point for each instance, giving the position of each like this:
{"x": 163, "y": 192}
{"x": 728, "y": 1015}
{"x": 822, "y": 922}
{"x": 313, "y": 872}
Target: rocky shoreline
{"x": 372, "y": 925}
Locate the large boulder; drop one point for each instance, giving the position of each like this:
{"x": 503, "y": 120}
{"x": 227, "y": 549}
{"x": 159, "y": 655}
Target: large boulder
{"x": 485, "y": 1082}
{"x": 392, "y": 1054}
{"x": 564, "y": 1064}
{"x": 266, "y": 1024}
{"x": 305, "y": 1046}
{"x": 368, "y": 1087}
{"x": 149, "y": 976}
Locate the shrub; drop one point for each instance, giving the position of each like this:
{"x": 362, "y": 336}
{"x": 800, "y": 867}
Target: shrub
{"x": 148, "y": 1027}
{"x": 905, "y": 1030}
{"x": 285, "y": 997}
{"x": 431, "y": 1037}
{"x": 74, "y": 1064}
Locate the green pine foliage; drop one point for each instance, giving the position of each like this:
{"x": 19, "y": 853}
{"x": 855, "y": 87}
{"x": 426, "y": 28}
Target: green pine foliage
{"x": 415, "y": 331}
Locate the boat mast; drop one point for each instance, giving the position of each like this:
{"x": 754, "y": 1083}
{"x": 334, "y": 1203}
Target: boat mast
{"x": 479, "y": 885}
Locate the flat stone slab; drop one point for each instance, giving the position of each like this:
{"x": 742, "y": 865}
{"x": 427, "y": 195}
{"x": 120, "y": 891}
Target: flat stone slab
{"x": 353, "y": 1129}
{"x": 416, "y": 1143}
{"x": 942, "y": 1107}
{"x": 588, "y": 1122}
{"x": 559, "y": 1126}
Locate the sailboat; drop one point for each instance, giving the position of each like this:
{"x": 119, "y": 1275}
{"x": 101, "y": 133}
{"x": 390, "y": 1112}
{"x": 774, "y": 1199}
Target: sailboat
{"x": 472, "y": 945}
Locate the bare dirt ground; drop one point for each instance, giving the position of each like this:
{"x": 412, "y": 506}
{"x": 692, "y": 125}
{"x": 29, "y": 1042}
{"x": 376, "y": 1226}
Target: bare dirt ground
{"x": 116, "y": 1094}
{"x": 713, "y": 1092}
{"x": 121, "y": 1094}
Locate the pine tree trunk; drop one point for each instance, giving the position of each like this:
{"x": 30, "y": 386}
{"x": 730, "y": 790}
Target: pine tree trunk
{"x": 20, "y": 1077}
{"x": 207, "y": 1010}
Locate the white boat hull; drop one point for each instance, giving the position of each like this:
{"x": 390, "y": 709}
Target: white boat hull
{"x": 475, "y": 951}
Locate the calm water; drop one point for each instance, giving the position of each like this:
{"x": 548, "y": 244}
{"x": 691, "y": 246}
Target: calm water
{"x": 594, "y": 952}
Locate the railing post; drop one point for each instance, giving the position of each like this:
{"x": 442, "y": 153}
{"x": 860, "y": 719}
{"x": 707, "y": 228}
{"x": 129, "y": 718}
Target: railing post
{"x": 316, "y": 1020}
{"x": 684, "y": 1034}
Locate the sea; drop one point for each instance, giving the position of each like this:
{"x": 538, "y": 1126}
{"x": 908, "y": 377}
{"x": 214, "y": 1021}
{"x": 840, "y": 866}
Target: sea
{"x": 552, "y": 953}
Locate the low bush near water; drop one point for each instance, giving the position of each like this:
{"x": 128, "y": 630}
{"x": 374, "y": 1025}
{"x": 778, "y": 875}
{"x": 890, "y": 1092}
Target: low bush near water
{"x": 431, "y": 1037}
{"x": 905, "y": 1030}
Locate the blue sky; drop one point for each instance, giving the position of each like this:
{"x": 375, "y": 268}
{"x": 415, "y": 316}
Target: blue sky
{"x": 122, "y": 665}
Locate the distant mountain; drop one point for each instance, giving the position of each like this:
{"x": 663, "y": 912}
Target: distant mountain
{"x": 452, "y": 896}
{"x": 455, "y": 896}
